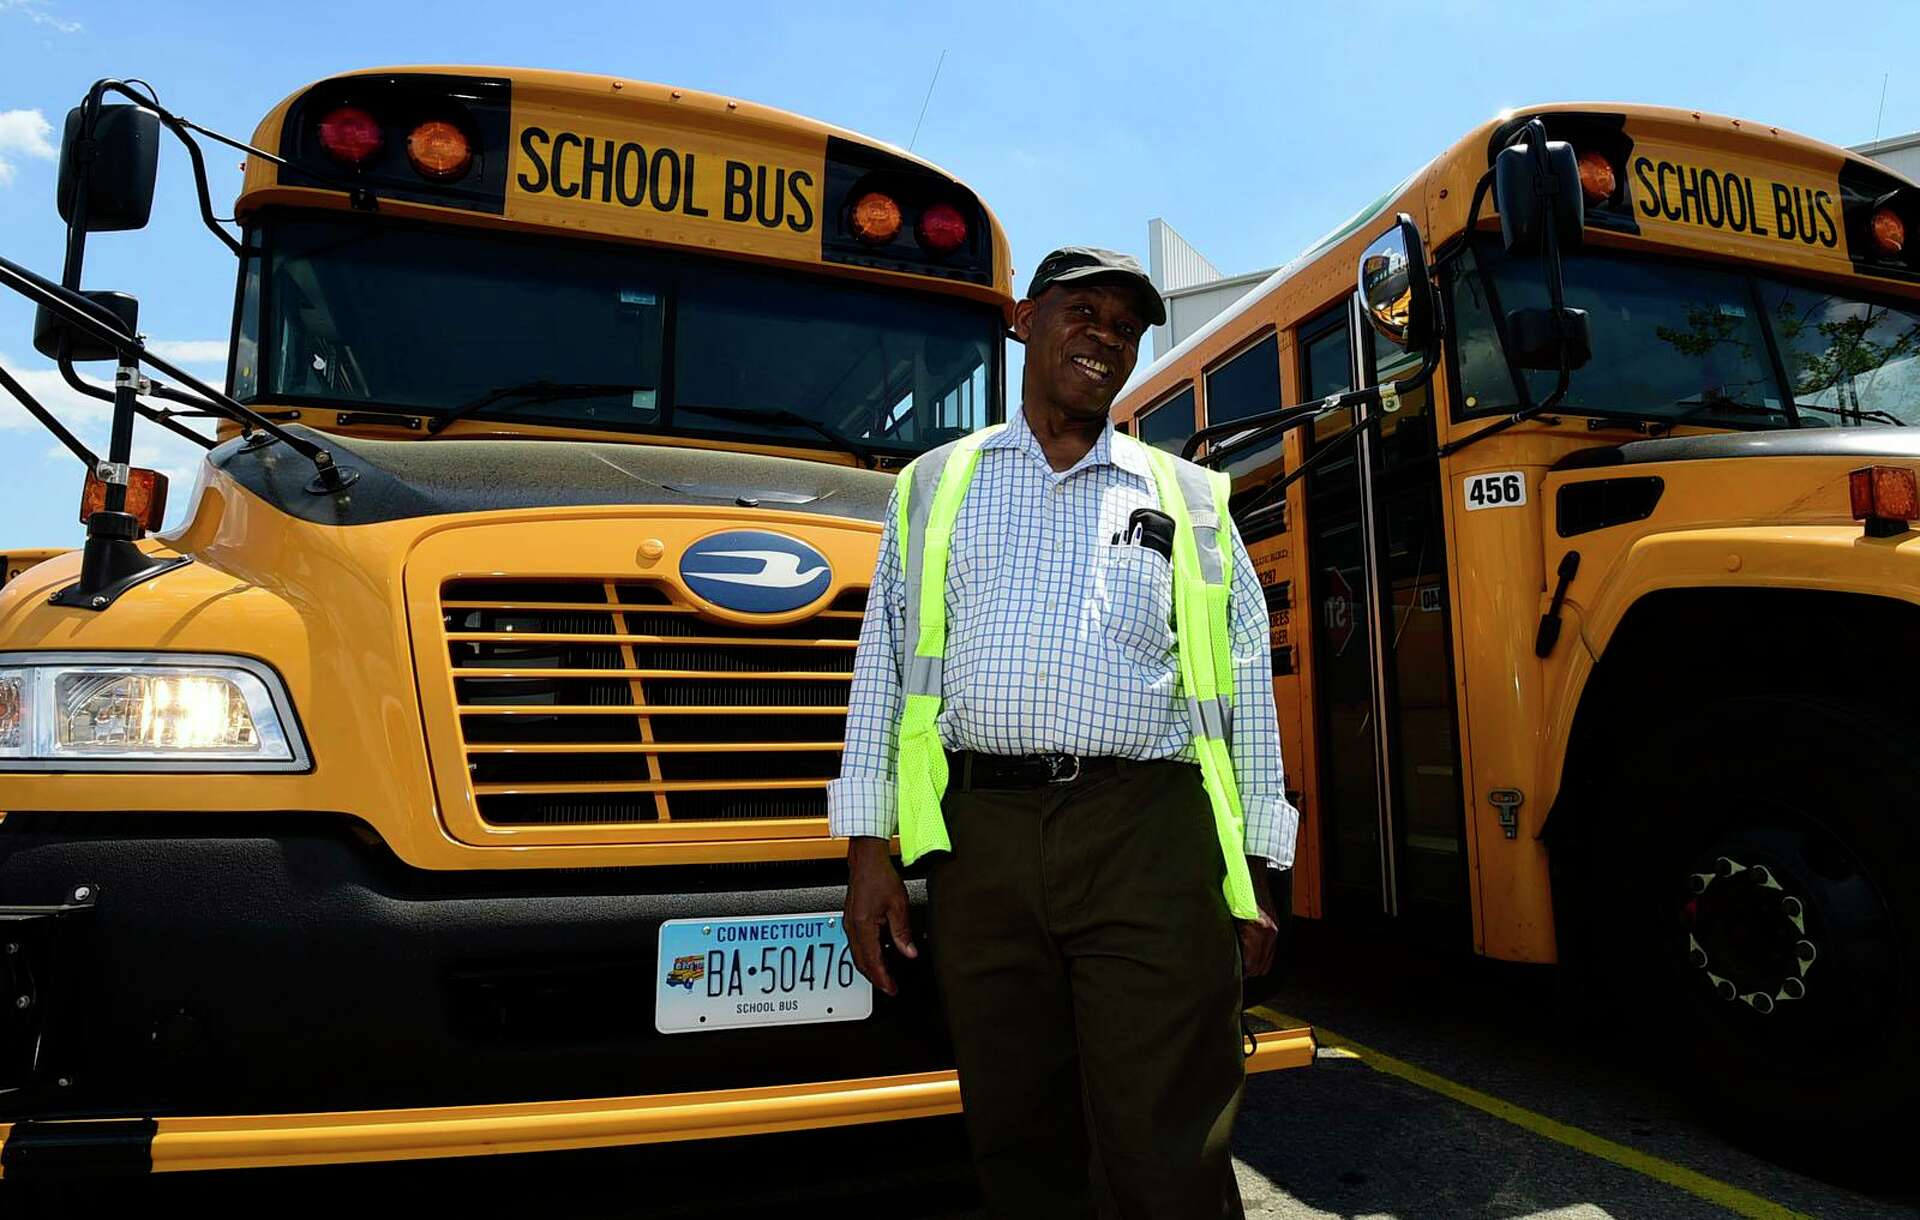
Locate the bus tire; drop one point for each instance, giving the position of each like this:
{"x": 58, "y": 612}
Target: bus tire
{"x": 1751, "y": 889}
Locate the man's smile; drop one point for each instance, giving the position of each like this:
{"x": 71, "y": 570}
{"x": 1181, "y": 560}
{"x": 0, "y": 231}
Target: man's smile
{"x": 1096, "y": 370}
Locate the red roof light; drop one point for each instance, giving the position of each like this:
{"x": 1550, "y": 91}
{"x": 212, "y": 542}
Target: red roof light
{"x": 942, "y": 229}
{"x": 351, "y": 136}
{"x": 1889, "y": 231}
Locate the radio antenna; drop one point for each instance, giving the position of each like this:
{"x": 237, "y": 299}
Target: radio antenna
{"x": 1876, "y": 114}
{"x": 936, "y": 80}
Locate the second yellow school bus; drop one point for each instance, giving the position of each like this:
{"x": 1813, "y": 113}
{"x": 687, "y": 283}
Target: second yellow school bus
{"x": 1627, "y": 683}
{"x": 470, "y": 799}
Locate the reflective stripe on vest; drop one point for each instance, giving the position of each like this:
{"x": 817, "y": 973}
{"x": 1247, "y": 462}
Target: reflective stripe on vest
{"x": 933, "y": 488}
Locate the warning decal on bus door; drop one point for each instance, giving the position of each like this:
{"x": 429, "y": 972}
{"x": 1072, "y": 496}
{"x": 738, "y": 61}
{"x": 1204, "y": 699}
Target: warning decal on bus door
{"x": 1500, "y": 489}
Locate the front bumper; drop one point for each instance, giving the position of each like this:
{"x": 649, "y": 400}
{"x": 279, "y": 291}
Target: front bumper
{"x": 280, "y": 990}
{"x": 263, "y": 1141}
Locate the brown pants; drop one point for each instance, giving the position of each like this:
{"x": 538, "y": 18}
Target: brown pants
{"x": 1091, "y": 975}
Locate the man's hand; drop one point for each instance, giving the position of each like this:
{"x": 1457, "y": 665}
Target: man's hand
{"x": 877, "y": 899}
{"x": 1257, "y": 936}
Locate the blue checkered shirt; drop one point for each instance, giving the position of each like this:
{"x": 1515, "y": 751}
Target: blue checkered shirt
{"x": 1057, "y": 640}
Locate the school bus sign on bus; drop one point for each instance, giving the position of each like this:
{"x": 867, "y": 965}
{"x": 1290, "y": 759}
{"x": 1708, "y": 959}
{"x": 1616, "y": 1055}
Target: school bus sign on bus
{"x": 1595, "y": 628}
{"x": 452, "y": 780}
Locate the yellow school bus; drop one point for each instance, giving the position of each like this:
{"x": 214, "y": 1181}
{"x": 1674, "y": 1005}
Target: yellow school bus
{"x": 452, "y": 779}
{"x": 1613, "y": 666}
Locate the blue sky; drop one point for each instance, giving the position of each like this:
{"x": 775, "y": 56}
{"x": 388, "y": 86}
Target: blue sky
{"x": 1252, "y": 128}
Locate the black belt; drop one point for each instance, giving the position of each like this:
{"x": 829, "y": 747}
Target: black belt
{"x": 968, "y": 769}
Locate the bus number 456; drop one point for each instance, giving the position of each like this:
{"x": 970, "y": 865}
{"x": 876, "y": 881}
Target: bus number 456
{"x": 1501, "y": 489}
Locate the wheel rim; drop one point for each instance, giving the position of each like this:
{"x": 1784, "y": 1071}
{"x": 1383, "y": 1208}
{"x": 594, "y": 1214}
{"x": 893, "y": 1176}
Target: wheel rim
{"x": 1785, "y": 939}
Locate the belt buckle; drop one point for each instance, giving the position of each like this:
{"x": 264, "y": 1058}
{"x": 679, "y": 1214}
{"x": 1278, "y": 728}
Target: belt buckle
{"x": 1057, "y": 762}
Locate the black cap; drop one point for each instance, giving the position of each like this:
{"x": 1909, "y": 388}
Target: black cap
{"x": 1070, "y": 264}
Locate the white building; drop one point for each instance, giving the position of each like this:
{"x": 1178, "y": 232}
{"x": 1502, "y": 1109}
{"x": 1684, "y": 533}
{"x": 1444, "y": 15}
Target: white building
{"x": 1901, "y": 154}
{"x": 1193, "y": 287}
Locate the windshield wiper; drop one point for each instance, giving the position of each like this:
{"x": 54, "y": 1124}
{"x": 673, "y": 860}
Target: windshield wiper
{"x": 780, "y": 415}
{"x": 1884, "y": 417}
{"x": 1728, "y": 406}
{"x": 1598, "y": 418}
{"x": 538, "y": 390}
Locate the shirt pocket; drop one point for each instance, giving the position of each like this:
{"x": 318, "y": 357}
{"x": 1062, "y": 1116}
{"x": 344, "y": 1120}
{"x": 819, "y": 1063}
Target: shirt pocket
{"x": 1136, "y": 602}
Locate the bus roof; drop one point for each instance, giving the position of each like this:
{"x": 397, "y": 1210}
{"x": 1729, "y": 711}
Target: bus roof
{"x": 1439, "y": 193}
{"x": 708, "y": 125}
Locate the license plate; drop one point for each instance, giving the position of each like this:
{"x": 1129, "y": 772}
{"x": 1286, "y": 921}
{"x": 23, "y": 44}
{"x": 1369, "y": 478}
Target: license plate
{"x": 759, "y": 970}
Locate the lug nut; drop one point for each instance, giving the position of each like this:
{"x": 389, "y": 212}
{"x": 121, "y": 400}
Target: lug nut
{"x": 24, "y": 1001}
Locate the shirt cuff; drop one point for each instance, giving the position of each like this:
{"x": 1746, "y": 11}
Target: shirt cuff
{"x": 1272, "y": 825}
{"x": 862, "y": 805}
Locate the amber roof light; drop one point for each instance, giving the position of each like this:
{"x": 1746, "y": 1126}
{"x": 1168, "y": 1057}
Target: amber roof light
{"x": 1597, "y": 179}
{"x": 875, "y": 219}
{"x": 439, "y": 150}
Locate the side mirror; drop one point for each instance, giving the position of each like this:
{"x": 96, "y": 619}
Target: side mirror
{"x": 1542, "y": 339}
{"x": 118, "y": 165}
{"x": 114, "y": 310}
{"x": 1532, "y": 197}
{"x": 1395, "y": 287}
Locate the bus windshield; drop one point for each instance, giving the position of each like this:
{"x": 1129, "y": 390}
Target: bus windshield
{"x": 1683, "y": 343}
{"x": 355, "y": 312}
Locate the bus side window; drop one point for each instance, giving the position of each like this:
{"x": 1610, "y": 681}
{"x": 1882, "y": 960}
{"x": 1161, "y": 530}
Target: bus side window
{"x": 1326, "y": 367}
{"x": 1246, "y": 385}
{"x": 1169, "y": 424}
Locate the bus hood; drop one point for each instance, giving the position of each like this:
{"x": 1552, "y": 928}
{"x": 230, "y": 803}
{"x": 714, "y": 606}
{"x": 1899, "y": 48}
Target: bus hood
{"x": 425, "y": 478}
{"x": 1875, "y": 442}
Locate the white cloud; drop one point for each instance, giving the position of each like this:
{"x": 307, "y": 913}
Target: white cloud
{"x": 190, "y": 351}
{"x": 36, "y": 12}
{"x": 90, "y": 420}
{"x": 67, "y": 404}
{"x": 23, "y": 133}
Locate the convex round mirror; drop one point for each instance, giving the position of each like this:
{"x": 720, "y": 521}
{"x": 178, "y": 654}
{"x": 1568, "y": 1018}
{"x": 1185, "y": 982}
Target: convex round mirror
{"x": 1395, "y": 288}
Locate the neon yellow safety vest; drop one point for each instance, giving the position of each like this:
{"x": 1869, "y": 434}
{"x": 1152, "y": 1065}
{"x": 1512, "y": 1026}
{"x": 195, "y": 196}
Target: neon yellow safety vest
{"x": 931, "y": 491}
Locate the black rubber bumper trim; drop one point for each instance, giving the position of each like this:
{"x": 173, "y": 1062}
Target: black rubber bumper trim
{"x": 82, "y": 1149}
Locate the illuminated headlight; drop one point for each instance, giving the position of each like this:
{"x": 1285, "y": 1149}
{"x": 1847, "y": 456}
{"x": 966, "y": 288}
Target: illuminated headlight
{"x": 79, "y": 711}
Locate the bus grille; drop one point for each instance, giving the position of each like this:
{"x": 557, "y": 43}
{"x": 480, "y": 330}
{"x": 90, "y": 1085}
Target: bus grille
{"x": 585, "y": 701}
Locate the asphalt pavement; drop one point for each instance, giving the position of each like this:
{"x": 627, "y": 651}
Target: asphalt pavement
{"x": 1445, "y": 1088}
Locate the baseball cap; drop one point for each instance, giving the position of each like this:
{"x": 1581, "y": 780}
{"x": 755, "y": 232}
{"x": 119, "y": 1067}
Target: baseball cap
{"x": 1072, "y": 264}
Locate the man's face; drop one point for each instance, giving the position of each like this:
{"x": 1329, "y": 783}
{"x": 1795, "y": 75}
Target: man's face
{"x": 1082, "y": 341}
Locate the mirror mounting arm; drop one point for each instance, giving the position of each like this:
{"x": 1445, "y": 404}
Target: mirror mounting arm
{"x": 329, "y": 477}
{"x": 1534, "y": 134}
{"x": 155, "y": 389}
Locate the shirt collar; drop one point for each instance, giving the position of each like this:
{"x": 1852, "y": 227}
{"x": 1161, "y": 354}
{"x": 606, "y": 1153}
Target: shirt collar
{"x": 1105, "y": 452}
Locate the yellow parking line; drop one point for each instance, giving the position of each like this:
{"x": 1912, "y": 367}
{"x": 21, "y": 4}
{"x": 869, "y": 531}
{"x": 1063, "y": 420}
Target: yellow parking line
{"x": 1740, "y": 1202}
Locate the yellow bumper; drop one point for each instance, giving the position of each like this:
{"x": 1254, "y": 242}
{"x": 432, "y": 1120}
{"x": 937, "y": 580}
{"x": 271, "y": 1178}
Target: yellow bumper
{"x": 260, "y": 1141}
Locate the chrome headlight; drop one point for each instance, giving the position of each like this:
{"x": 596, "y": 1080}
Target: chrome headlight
{"x": 144, "y": 712}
